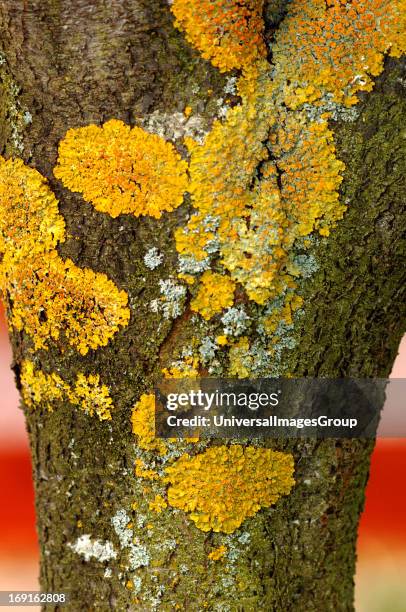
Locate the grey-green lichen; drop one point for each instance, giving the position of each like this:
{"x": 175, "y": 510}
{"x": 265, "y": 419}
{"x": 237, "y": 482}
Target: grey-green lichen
{"x": 14, "y": 118}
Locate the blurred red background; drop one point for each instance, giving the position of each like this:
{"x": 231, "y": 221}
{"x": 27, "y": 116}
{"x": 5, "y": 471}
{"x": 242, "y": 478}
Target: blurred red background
{"x": 380, "y": 584}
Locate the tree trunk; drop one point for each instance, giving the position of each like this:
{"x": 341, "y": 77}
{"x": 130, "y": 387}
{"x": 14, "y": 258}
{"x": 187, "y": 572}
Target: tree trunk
{"x": 71, "y": 64}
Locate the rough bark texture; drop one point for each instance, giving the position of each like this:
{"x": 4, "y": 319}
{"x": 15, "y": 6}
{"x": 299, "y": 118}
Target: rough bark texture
{"x": 74, "y": 63}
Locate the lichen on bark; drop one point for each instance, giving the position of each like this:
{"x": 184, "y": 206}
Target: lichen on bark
{"x": 86, "y": 64}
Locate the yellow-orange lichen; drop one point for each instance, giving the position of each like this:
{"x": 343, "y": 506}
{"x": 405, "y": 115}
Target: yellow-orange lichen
{"x": 121, "y": 170}
{"x": 251, "y": 211}
{"x": 91, "y": 396}
{"x": 311, "y": 174}
{"x": 39, "y": 388}
{"x": 184, "y": 368}
{"x": 30, "y": 219}
{"x": 223, "y": 486}
{"x": 217, "y": 553}
{"x": 262, "y": 181}
{"x": 143, "y": 424}
{"x": 215, "y": 293}
{"x": 48, "y": 296}
{"x": 336, "y": 47}
{"x": 227, "y": 32}
{"x": 52, "y": 296}
{"x": 158, "y": 504}
{"x": 258, "y": 220}
{"x": 240, "y": 360}
{"x": 284, "y": 314}
{"x": 141, "y": 471}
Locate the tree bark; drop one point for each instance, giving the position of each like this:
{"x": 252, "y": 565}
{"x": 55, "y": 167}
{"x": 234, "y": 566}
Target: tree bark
{"x": 70, "y": 64}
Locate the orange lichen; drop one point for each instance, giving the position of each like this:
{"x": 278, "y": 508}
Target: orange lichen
{"x": 141, "y": 471}
{"x": 88, "y": 393}
{"x": 30, "y": 219}
{"x": 158, "y": 504}
{"x": 215, "y": 293}
{"x": 48, "y": 296}
{"x": 184, "y": 368}
{"x": 284, "y": 313}
{"x": 217, "y": 553}
{"x": 51, "y": 297}
{"x": 121, "y": 170}
{"x": 258, "y": 220}
{"x": 143, "y": 424}
{"x": 311, "y": 174}
{"x": 241, "y": 362}
{"x": 267, "y": 175}
{"x": 222, "y": 171}
{"x": 227, "y": 32}
{"x": 40, "y": 388}
{"x": 91, "y": 396}
{"x": 223, "y": 486}
{"x": 336, "y": 47}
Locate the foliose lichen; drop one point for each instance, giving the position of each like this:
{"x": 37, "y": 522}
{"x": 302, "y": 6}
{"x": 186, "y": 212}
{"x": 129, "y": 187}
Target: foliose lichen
{"x": 87, "y": 392}
{"x": 93, "y": 549}
{"x": 143, "y": 424}
{"x": 224, "y": 485}
{"x": 122, "y": 170}
{"x": 227, "y": 32}
{"x": 268, "y": 173}
{"x": 49, "y": 296}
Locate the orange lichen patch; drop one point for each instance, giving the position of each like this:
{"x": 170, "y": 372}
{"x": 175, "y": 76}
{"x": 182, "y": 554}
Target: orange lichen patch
{"x": 121, "y": 170}
{"x": 335, "y": 47}
{"x": 187, "y": 367}
{"x": 223, "y": 167}
{"x": 192, "y": 241}
{"x": 91, "y": 396}
{"x": 217, "y": 159}
{"x": 226, "y": 32}
{"x": 46, "y": 295}
{"x": 51, "y": 297}
{"x": 40, "y": 388}
{"x": 141, "y": 471}
{"x": 48, "y": 389}
{"x": 324, "y": 53}
{"x": 311, "y": 174}
{"x": 29, "y": 217}
{"x": 217, "y": 553}
{"x": 143, "y": 424}
{"x": 158, "y": 504}
{"x": 257, "y": 255}
{"x": 226, "y": 186}
{"x": 223, "y": 486}
{"x": 215, "y": 293}
{"x": 233, "y": 181}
